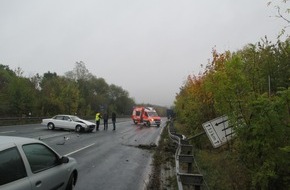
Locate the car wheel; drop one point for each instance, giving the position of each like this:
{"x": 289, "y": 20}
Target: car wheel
{"x": 71, "y": 183}
{"x": 50, "y": 126}
{"x": 78, "y": 128}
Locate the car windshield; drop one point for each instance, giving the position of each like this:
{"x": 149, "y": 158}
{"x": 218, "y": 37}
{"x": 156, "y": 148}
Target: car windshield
{"x": 75, "y": 118}
{"x": 152, "y": 114}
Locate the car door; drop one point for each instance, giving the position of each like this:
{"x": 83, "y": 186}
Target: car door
{"x": 45, "y": 170}
{"x": 12, "y": 171}
{"x": 59, "y": 122}
{"x": 68, "y": 123}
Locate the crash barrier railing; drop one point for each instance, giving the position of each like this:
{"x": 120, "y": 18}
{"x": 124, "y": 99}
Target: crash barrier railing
{"x": 187, "y": 173}
{"x": 19, "y": 120}
{"x": 26, "y": 120}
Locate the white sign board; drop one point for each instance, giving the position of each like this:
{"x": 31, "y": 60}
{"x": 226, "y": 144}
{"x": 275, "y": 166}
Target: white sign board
{"x": 218, "y": 131}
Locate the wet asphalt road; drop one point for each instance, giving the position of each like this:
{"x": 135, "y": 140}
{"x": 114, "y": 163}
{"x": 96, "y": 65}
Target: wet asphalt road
{"x": 108, "y": 160}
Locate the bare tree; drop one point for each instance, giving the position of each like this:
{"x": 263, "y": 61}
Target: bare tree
{"x": 283, "y": 10}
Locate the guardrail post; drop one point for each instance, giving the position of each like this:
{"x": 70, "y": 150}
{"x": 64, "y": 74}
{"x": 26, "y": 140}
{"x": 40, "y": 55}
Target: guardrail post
{"x": 195, "y": 180}
{"x": 187, "y": 159}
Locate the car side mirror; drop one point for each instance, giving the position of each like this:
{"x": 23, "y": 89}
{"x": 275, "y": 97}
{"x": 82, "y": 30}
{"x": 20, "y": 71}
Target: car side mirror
{"x": 64, "y": 159}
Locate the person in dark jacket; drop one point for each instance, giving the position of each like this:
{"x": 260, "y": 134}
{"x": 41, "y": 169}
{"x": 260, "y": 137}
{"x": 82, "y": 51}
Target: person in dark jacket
{"x": 105, "y": 117}
{"x": 114, "y": 120}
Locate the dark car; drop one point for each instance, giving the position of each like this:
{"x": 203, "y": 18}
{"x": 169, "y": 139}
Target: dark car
{"x": 28, "y": 164}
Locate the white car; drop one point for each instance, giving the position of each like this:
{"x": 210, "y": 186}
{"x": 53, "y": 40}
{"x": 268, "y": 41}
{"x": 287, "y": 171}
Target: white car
{"x": 29, "y": 164}
{"x": 69, "y": 122}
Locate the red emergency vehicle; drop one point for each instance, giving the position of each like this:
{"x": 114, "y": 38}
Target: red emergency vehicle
{"x": 145, "y": 115}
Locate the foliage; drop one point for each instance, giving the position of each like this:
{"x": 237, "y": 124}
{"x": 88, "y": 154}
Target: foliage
{"x": 6, "y": 76}
{"x": 252, "y": 84}
{"x": 77, "y": 92}
{"x": 21, "y": 96}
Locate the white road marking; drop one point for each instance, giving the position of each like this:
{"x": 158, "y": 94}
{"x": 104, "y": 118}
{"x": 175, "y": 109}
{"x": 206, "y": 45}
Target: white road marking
{"x": 7, "y": 132}
{"x": 79, "y": 149}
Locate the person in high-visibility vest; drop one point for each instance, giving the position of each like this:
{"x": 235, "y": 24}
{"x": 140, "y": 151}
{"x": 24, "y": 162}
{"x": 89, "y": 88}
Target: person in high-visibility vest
{"x": 98, "y": 119}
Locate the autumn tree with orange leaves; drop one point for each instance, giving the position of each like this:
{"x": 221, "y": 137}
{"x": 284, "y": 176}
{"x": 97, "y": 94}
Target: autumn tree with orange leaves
{"x": 252, "y": 84}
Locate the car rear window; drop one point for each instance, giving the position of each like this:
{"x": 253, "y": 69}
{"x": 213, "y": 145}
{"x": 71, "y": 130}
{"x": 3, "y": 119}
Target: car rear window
{"x": 11, "y": 166}
{"x": 59, "y": 117}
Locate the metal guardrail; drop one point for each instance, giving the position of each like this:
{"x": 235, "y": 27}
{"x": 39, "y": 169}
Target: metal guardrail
{"x": 187, "y": 173}
{"x": 18, "y": 120}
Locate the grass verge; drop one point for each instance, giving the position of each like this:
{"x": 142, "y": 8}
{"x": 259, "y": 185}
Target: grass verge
{"x": 163, "y": 174}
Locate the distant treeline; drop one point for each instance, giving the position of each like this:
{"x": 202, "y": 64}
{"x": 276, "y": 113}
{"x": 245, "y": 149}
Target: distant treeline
{"x": 78, "y": 92}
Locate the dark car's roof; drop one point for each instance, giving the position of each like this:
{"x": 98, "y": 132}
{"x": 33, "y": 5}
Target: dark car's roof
{"x": 15, "y": 140}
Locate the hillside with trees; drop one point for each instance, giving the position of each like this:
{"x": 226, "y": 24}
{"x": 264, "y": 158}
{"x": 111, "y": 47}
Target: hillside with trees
{"x": 253, "y": 84}
{"x": 250, "y": 85}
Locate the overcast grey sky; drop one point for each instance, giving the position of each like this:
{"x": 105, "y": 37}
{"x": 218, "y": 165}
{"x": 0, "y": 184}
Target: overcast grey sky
{"x": 148, "y": 47}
